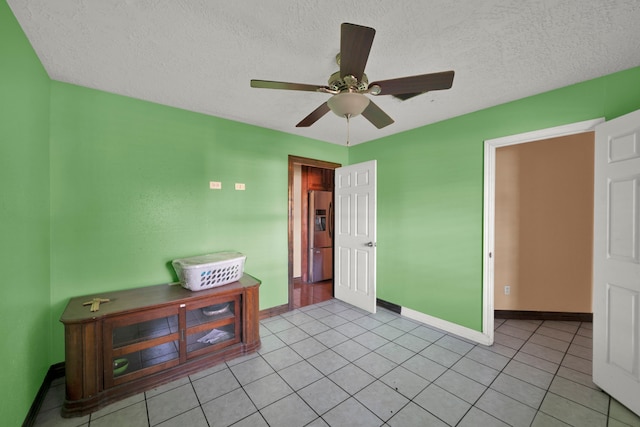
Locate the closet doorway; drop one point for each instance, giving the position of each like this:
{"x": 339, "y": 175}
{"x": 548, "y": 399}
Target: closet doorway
{"x": 306, "y": 175}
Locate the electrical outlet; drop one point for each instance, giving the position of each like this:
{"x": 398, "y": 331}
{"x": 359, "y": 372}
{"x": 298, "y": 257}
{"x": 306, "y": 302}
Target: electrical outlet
{"x": 239, "y": 186}
{"x": 507, "y": 290}
{"x": 215, "y": 185}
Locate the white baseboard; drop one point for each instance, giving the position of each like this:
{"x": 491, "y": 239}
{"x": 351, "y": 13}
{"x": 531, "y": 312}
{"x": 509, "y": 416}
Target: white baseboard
{"x": 449, "y": 327}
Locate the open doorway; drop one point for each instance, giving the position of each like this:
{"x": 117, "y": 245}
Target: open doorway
{"x": 544, "y": 228}
{"x": 491, "y": 147}
{"x": 307, "y": 175}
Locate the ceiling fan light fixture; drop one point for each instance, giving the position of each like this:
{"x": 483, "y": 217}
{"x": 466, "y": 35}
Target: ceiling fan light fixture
{"x": 348, "y": 104}
{"x": 349, "y": 84}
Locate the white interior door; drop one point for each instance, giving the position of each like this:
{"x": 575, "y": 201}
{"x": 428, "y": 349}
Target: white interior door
{"x": 355, "y": 235}
{"x": 616, "y": 260}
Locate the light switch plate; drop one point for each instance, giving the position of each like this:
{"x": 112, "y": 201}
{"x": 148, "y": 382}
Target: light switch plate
{"x": 239, "y": 186}
{"x": 215, "y": 185}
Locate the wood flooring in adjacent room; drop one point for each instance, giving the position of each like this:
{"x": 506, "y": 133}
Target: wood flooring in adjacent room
{"x": 311, "y": 293}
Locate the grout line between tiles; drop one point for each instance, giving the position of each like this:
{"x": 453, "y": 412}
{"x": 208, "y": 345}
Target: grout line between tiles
{"x": 336, "y": 312}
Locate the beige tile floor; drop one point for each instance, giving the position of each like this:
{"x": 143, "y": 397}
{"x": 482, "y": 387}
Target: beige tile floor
{"x": 331, "y": 364}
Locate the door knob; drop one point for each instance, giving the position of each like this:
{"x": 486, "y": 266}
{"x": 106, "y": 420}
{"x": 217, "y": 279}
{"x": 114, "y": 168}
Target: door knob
{"x": 370, "y": 244}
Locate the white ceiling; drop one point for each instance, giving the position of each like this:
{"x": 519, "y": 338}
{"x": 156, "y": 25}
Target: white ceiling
{"x": 199, "y": 55}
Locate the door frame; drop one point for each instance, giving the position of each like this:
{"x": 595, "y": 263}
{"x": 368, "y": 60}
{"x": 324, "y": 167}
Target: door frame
{"x": 490, "y": 146}
{"x": 302, "y": 161}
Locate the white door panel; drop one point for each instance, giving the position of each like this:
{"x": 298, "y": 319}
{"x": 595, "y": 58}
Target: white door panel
{"x": 355, "y": 235}
{"x": 616, "y": 260}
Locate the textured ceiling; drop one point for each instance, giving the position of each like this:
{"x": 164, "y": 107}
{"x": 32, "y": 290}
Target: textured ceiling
{"x": 199, "y": 55}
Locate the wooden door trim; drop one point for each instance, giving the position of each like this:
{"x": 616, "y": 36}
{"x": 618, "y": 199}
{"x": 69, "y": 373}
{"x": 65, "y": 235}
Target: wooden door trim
{"x": 302, "y": 161}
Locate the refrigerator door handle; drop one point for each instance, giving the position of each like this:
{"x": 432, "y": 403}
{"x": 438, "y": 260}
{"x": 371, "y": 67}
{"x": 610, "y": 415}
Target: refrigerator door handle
{"x": 330, "y": 220}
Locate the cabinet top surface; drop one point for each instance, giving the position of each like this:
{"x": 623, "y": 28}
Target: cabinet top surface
{"x": 134, "y": 299}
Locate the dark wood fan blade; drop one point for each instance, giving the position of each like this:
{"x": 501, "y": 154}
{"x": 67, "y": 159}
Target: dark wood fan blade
{"x": 405, "y": 96}
{"x": 314, "y": 116}
{"x": 416, "y": 85}
{"x": 267, "y": 84}
{"x": 355, "y": 45}
{"x": 375, "y": 115}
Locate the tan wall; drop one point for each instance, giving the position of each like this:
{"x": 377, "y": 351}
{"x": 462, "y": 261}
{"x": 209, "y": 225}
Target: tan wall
{"x": 544, "y": 225}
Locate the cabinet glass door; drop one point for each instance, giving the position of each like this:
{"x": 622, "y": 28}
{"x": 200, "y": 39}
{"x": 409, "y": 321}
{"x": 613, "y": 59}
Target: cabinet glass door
{"x": 211, "y": 325}
{"x": 140, "y": 347}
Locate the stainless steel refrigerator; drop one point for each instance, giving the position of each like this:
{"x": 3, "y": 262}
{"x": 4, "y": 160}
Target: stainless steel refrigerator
{"x": 320, "y": 235}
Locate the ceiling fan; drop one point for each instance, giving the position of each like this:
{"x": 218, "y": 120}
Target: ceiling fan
{"x": 349, "y": 85}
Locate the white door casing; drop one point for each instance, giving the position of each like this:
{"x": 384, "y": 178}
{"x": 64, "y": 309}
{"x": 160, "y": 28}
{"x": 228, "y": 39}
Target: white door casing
{"x": 355, "y": 235}
{"x": 616, "y": 260}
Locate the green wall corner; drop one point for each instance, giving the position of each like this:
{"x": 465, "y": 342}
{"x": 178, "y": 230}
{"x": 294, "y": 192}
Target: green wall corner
{"x": 25, "y": 324}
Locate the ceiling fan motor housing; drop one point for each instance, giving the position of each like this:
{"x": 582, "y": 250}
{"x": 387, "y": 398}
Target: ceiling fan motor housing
{"x": 348, "y": 83}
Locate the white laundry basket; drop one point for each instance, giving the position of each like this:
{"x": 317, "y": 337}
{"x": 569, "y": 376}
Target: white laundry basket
{"x": 211, "y": 270}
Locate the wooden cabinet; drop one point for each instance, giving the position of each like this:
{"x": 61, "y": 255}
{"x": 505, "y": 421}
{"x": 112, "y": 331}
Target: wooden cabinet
{"x": 314, "y": 178}
{"x": 148, "y": 336}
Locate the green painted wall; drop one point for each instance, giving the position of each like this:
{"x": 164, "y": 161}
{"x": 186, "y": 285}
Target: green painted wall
{"x": 430, "y": 193}
{"x": 25, "y": 325}
{"x": 130, "y": 192}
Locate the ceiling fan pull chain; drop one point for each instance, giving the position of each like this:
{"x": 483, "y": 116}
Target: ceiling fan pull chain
{"x": 347, "y": 116}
